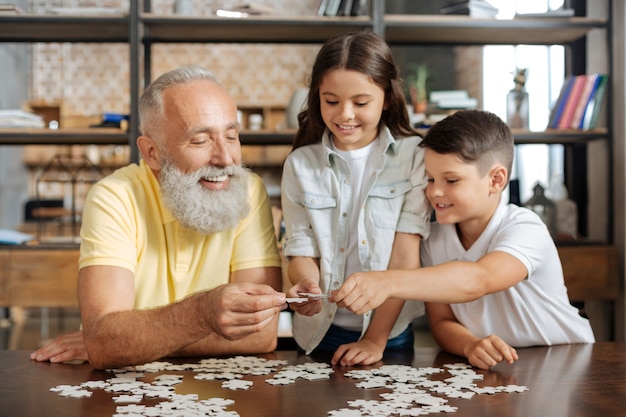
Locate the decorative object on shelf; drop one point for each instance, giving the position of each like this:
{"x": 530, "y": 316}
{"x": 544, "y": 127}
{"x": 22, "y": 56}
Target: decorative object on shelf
{"x": 418, "y": 91}
{"x": 517, "y": 102}
{"x": 184, "y": 7}
{"x": 255, "y": 121}
{"x": 566, "y": 209}
{"x": 543, "y": 207}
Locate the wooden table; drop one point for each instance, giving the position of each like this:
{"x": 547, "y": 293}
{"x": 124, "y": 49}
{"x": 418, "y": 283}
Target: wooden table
{"x": 569, "y": 380}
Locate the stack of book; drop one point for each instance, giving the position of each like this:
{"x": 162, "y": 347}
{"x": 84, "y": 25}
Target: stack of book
{"x": 342, "y": 7}
{"x": 579, "y": 103}
{"x": 473, "y": 8}
{"x": 445, "y": 102}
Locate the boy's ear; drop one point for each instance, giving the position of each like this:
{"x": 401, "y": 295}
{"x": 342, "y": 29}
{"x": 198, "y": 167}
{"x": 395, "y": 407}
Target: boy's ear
{"x": 499, "y": 177}
{"x": 150, "y": 152}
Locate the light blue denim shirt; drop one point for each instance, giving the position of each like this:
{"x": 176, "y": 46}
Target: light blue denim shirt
{"x": 317, "y": 204}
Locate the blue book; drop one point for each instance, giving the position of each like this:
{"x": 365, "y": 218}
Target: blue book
{"x": 559, "y": 106}
{"x": 592, "y": 112}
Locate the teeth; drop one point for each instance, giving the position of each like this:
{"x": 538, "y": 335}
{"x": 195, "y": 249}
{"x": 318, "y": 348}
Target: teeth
{"x": 216, "y": 179}
{"x": 346, "y": 127}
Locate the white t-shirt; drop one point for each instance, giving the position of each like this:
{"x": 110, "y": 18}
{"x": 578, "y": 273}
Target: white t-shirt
{"x": 536, "y": 311}
{"x": 361, "y": 171}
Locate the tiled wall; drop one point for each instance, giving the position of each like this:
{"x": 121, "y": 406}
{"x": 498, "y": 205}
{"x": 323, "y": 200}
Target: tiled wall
{"x": 89, "y": 79}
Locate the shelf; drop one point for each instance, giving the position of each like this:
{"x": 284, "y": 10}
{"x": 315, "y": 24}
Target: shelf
{"x": 275, "y": 29}
{"x": 463, "y": 30}
{"x": 553, "y": 136}
{"x": 58, "y": 28}
{"x": 78, "y": 136}
{"x": 286, "y": 137}
{"x": 267, "y": 137}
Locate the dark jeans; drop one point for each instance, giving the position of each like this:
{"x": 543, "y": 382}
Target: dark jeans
{"x": 336, "y": 336}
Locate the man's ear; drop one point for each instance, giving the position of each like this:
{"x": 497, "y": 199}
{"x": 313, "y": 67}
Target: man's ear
{"x": 498, "y": 177}
{"x": 150, "y": 152}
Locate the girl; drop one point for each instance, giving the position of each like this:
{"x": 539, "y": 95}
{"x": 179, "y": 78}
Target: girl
{"x": 353, "y": 198}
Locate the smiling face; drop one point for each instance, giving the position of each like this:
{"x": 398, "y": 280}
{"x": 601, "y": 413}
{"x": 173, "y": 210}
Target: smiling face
{"x": 196, "y": 155}
{"x": 458, "y": 192}
{"x": 351, "y": 105}
{"x": 201, "y": 129}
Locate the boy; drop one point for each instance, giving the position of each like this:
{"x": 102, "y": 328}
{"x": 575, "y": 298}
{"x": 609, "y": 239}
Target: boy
{"x": 491, "y": 274}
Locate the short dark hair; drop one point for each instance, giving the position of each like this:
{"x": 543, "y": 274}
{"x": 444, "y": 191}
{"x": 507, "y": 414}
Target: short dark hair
{"x": 368, "y": 54}
{"x": 475, "y": 136}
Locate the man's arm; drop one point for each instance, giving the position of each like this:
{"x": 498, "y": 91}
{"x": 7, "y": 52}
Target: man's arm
{"x": 117, "y": 335}
{"x": 262, "y": 341}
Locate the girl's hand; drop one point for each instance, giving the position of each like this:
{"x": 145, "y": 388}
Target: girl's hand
{"x": 363, "y": 352}
{"x": 307, "y": 308}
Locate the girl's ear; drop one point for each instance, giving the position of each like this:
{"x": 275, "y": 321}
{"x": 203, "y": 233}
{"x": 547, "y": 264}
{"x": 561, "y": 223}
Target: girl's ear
{"x": 498, "y": 178}
{"x": 150, "y": 152}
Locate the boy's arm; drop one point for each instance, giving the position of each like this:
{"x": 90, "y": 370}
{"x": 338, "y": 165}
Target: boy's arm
{"x": 368, "y": 350}
{"x": 453, "y": 337}
{"x": 449, "y": 282}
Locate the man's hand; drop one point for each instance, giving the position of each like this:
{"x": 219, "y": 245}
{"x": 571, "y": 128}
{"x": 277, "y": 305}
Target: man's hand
{"x": 363, "y": 352}
{"x": 490, "y": 351}
{"x": 307, "y": 308}
{"x": 362, "y": 292}
{"x": 65, "y": 348}
{"x": 239, "y": 309}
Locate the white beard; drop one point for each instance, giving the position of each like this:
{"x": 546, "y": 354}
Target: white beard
{"x": 200, "y": 209}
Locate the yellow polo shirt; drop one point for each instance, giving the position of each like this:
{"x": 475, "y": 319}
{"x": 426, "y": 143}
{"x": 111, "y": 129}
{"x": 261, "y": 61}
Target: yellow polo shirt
{"x": 125, "y": 224}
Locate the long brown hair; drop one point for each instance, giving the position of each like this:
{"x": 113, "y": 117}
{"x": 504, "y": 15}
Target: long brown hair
{"x": 368, "y": 54}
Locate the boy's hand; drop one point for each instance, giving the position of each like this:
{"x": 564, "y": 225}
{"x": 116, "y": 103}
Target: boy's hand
{"x": 307, "y": 308}
{"x": 362, "y": 292}
{"x": 490, "y": 351}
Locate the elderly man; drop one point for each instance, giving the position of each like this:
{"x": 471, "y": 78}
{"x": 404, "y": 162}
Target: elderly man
{"x": 178, "y": 254}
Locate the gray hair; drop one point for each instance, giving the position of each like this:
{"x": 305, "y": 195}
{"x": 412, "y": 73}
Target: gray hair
{"x": 151, "y": 101}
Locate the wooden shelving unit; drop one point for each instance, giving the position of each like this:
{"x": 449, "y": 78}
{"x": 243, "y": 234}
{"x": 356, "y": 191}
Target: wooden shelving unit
{"x": 141, "y": 29}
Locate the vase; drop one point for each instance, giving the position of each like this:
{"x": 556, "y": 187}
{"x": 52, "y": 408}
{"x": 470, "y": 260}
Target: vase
{"x": 517, "y": 109}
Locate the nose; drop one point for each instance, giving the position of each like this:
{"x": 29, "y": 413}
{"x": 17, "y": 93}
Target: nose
{"x": 221, "y": 153}
{"x": 433, "y": 190}
{"x": 347, "y": 112}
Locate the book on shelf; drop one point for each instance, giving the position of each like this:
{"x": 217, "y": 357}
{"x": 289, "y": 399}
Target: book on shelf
{"x": 332, "y": 7}
{"x": 342, "y": 7}
{"x": 472, "y": 8}
{"x": 572, "y": 99}
{"x": 550, "y": 13}
{"x": 452, "y": 100}
{"x": 13, "y": 237}
{"x": 445, "y": 102}
{"x": 579, "y": 102}
{"x": 592, "y": 112}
